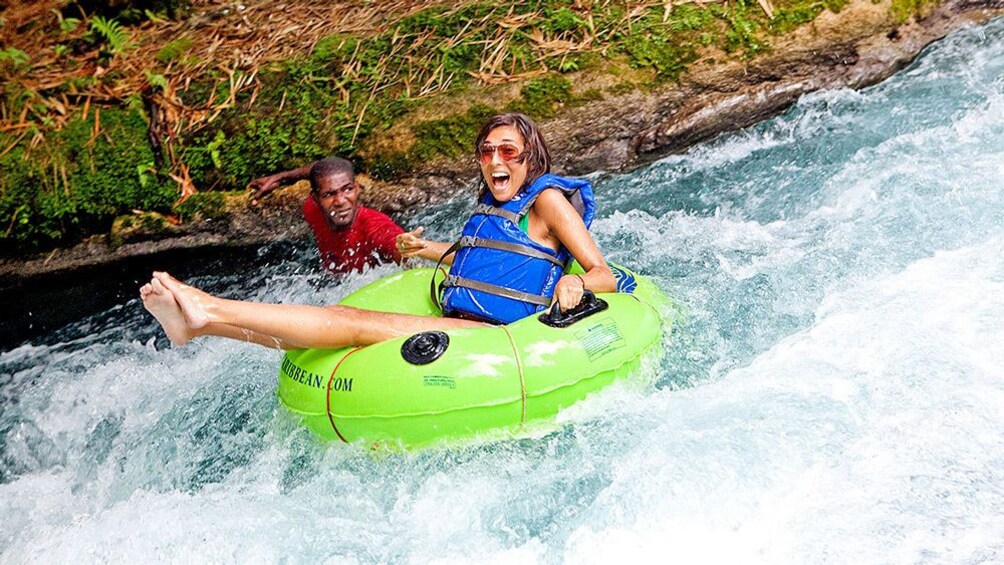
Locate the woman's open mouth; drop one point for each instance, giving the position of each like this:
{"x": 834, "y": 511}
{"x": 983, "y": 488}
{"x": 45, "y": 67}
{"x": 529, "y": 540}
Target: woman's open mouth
{"x": 500, "y": 181}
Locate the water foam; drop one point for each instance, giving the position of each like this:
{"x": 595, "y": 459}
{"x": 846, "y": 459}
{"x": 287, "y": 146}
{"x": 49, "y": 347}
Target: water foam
{"x": 832, "y": 392}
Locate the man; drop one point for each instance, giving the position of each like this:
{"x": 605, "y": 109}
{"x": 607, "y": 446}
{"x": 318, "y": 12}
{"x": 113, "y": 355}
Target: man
{"x": 349, "y": 237}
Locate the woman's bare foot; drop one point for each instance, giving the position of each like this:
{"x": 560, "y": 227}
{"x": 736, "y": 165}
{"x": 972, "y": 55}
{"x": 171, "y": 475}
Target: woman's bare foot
{"x": 196, "y": 305}
{"x": 161, "y": 303}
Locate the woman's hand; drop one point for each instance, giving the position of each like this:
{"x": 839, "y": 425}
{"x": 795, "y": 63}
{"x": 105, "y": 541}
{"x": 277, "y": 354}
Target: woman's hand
{"x": 568, "y": 291}
{"x": 410, "y": 244}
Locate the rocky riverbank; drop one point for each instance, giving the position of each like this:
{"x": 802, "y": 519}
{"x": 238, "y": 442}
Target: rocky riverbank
{"x": 859, "y": 46}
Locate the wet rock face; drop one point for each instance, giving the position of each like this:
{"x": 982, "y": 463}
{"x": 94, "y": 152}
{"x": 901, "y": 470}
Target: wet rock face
{"x": 856, "y": 48}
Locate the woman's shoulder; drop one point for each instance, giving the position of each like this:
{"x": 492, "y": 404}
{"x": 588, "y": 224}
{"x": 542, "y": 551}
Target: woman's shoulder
{"x": 553, "y": 200}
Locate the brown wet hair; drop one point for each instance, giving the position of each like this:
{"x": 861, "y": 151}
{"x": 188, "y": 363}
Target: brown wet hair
{"x": 538, "y": 158}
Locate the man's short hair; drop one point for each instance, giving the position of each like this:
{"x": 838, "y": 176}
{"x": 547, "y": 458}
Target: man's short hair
{"x": 327, "y": 167}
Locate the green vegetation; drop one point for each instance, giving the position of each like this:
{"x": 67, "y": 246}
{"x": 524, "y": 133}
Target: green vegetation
{"x": 903, "y": 10}
{"x": 450, "y": 136}
{"x": 329, "y": 98}
{"x": 542, "y": 97}
{"x": 82, "y": 177}
{"x": 789, "y": 17}
{"x": 12, "y": 55}
{"x": 112, "y": 32}
{"x": 139, "y": 225}
{"x": 203, "y": 205}
{"x": 67, "y": 25}
{"x": 66, "y": 175}
{"x": 453, "y": 136}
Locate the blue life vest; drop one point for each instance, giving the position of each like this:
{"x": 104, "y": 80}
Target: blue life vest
{"x": 499, "y": 274}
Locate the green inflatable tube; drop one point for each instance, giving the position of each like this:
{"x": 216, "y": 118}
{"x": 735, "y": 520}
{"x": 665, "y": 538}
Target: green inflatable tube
{"x": 496, "y": 378}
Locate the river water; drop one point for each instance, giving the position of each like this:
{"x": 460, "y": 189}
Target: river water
{"x": 833, "y": 393}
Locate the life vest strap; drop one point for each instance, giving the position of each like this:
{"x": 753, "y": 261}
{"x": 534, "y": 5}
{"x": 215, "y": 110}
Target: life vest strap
{"x": 471, "y": 241}
{"x": 453, "y": 280}
{"x": 493, "y": 211}
{"x": 433, "y": 291}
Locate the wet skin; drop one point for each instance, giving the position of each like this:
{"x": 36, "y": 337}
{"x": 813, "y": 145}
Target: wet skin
{"x": 338, "y": 197}
{"x": 504, "y": 179}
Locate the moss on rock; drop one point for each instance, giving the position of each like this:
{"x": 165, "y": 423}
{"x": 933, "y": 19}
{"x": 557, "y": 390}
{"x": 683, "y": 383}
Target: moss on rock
{"x": 140, "y": 226}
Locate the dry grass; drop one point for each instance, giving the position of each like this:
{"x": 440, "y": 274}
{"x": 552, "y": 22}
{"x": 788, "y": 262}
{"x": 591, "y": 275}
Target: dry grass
{"x": 238, "y": 39}
{"x": 234, "y": 41}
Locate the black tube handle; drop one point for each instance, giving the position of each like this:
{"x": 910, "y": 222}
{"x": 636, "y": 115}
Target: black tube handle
{"x": 589, "y": 305}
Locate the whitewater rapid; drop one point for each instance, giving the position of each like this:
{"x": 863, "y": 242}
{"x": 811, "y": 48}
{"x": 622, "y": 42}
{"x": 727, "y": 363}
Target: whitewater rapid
{"x": 832, "y": 392}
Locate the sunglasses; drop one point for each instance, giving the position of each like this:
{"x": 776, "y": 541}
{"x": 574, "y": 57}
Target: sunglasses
{"x": 507, "y": 152}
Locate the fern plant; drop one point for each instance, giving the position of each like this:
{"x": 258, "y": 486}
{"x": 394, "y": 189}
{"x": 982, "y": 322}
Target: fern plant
{"x": 113, "y": 33}
{"x": 155, "y": 80}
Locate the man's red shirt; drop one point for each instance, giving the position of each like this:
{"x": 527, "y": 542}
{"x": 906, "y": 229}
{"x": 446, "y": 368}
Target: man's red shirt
{"x": 369, "y": 241}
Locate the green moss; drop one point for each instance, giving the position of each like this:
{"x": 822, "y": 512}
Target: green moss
{"x": 903, "y": 10}
{"x": 202, "y": 206}
{"x": 247, "y": 145}
{"x": 790, "y": 15}
{"x": 452, "y": 136}
{"x": 561, "y": 20}
{"x": 689, "y": 17}
{"x": 198, "y": 92}
{"x": 390, "y": 165}
{"x": 334, "y": 49}
{"x": 173, "y": 50}
{"x": 542, "y": 97}
{"x": 142, "y": 225}
{"x": 589, "y": 95}
{"x": 745, "y": 26}
{"x": 13, "y": 60}
{"x": 622, "y": 88}
{"x": 653, "y": 50}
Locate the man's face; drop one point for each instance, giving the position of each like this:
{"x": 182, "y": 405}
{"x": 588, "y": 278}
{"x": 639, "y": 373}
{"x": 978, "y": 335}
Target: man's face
{"x": 338, "y": 196}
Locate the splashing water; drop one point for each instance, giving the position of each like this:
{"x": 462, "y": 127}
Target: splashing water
{"x": 834, "y": 392}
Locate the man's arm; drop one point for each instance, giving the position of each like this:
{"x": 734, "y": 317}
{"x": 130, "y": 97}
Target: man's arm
{"x": 382, "y": 233}
{"x": 412, "y": 244}
{"x": 267, "y": 184}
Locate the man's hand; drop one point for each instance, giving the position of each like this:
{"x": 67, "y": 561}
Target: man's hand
{"x": 263, "y": 186}
{"x": 410, "y": 244}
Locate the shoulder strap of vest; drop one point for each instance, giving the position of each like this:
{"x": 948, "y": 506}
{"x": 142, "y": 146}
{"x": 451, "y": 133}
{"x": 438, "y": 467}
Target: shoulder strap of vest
{"x": 490, "y": 210}
{"x": 578, "y": 191}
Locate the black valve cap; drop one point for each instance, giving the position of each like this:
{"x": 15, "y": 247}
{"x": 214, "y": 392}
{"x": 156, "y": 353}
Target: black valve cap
{"x": 424, "y": 348}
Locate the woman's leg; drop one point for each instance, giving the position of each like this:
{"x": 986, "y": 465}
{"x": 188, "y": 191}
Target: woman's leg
{"x": 161, "y": 303}
{"x": 292, "y": 326}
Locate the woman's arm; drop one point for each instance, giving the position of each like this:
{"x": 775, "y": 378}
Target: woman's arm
{"x": 411, "y": 244}
{"x": 564, "y": 225}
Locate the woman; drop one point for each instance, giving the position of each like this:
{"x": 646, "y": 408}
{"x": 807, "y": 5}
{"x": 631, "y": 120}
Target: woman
{"x": 528, "y": 210}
